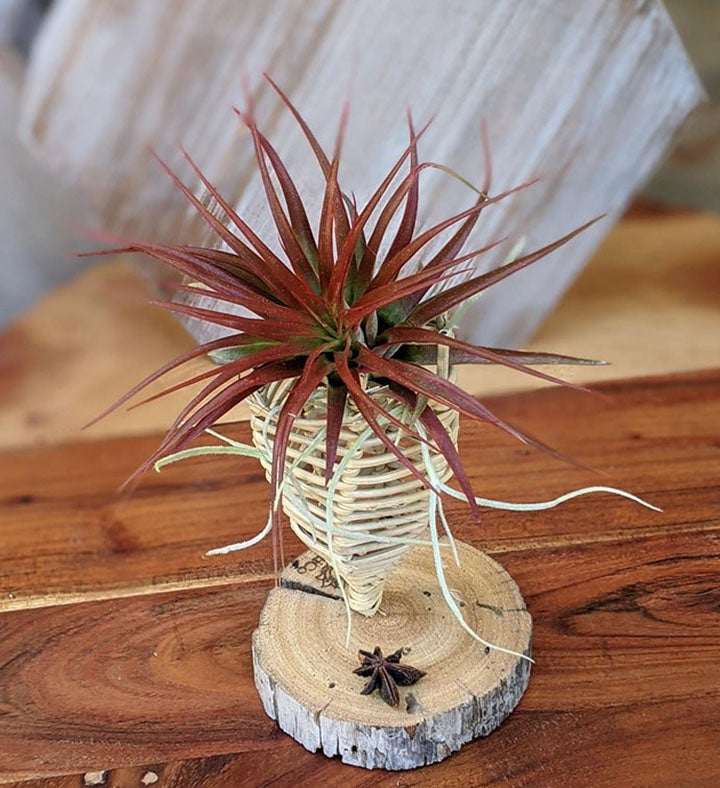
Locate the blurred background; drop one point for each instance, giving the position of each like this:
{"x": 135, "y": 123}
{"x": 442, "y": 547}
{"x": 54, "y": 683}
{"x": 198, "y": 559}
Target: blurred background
{"x": 601, "y": 99}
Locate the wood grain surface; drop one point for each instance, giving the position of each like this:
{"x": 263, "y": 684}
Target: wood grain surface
{"x": 304, "y": 659}
{"x": 146, "y": 666}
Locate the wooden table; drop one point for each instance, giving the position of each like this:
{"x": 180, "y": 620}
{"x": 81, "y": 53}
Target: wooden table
{"x": 122, "y": 648}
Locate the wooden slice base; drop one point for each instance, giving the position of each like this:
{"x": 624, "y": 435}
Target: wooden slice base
{"x": 304, "y": 671}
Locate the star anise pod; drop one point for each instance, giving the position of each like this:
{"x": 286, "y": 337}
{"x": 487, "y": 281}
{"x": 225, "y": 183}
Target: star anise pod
{"x": 385, "y": 673}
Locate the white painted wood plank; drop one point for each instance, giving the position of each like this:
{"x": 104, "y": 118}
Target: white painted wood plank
{"x": 37, "y": 216}
{"x": 587, "y": 94}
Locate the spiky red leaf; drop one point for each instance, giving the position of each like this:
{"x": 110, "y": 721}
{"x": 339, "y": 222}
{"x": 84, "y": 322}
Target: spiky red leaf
{"x": 296, "y": 209}
{"x": 294, "y": 251}
{"x": 391, "y": 268}
{"x": 264, "y": 328}
{"x": 427, "y": 354}
{"x": 453, "y": 296}
{"x": 368, "y": 407}
{"x": 275, "y": 352}
{"x": 336, "y": 399}
{"x": 263, "y": 255}
{"x": 346, "y": 253}
{"x": 328, "y": 214}
{"x": 223, "y": 285}
{"x": 376, "y": 298}
{"x": 314, "y": 371}
{"x": 193, "y": 425}
{"x": 423, "y": 381}
{"x": 196, "y": 352}
{"x": 445, "y": 444}
{"x": 342, "y": 224}
{"x": 417, "y": 336}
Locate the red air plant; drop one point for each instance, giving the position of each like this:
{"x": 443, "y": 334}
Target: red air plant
{"x": 331, "y": 309}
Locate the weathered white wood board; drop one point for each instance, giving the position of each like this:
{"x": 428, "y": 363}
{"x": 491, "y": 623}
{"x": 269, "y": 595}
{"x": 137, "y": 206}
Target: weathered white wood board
{"x": 36, "y": 211}
{"x": 10, "y": 11}
{"x": 588, "y": 95}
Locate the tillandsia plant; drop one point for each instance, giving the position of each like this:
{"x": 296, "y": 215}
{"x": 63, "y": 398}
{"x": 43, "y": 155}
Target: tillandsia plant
{"x": 342, "y": 307}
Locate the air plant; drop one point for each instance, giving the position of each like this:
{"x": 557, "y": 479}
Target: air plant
{"x": 334, "y": 310}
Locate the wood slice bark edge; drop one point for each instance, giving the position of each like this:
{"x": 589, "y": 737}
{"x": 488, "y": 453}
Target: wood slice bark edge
{"x": 304, "y": 670}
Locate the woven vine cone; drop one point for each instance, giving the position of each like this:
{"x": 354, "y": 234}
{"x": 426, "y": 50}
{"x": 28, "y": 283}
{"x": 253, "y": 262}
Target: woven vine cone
{"x": 377, "y": 503}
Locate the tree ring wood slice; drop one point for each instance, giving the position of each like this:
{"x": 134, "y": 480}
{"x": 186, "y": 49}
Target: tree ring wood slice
{"x": 304, "y": 670}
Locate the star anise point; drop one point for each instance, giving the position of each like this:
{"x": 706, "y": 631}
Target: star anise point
{"x": 386, "y": 674}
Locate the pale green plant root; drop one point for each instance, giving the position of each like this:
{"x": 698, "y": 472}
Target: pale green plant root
{"x": 436, "y": 509}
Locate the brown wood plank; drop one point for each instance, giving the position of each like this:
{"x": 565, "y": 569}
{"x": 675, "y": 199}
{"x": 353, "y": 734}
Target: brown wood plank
{"x": 546, "y": 749}
{"x": 66, "y": 535}
{"x": 625, "y": 601}
{"x": 625, "y": 690}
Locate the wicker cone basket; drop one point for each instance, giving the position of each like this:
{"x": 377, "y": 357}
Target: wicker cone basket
{"x": 376, "y": 506}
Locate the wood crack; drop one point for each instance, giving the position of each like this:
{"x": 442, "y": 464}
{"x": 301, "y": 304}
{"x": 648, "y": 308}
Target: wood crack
{"x": 295, "y": 585}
